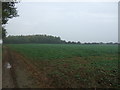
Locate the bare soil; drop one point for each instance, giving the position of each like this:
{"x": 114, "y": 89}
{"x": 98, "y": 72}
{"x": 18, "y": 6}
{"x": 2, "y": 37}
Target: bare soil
{"x": 22, "y": 74}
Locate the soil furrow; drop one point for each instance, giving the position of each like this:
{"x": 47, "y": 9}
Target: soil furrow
{"x": 22, "y": 74}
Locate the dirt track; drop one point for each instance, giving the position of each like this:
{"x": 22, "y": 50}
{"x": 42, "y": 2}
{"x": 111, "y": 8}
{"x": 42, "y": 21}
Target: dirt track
{"x": 22, "y": 74}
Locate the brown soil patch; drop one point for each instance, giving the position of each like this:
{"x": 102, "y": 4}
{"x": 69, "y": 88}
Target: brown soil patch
{"x": 23, "y": 73}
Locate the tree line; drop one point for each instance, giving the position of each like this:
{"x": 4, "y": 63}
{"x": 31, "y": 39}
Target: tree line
{"x": 43, "y": 39}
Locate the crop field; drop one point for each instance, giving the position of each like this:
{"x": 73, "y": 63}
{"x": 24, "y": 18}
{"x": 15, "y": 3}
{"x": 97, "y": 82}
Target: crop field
{"x": 69, "y": 65}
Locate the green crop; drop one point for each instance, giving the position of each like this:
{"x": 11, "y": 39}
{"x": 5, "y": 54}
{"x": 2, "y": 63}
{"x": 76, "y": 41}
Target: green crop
{"x": 60, "y": 51}
{"x": 70, "y": 65}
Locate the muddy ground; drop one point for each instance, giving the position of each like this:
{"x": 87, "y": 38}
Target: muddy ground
{"x": 22, "y": 74}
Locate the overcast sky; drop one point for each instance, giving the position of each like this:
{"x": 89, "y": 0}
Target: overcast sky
{"x": 78, "y": 21}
